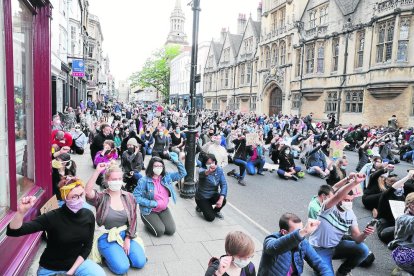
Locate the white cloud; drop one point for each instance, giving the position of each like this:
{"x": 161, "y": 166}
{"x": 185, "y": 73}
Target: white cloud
{"x": 133, "y": 29}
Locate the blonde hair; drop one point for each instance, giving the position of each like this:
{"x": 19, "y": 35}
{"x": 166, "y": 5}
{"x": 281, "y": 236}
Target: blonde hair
{"x": 239, "y": 244}
{"x": 382, "y": 182}
{"x": 112, "y": 167}
{"x": 338, "y": 164}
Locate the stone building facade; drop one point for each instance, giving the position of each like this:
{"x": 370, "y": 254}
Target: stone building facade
{"x": 350, "y": 58}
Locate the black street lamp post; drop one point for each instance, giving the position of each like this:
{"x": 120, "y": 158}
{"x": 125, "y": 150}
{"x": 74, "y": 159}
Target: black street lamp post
{"x": 188, "y": 189}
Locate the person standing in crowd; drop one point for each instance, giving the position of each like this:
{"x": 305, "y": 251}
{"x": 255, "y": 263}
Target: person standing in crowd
{"x": 284, "y": 252}
{"x": 238, "y": 259}
{"x": 308, "y": 122}
{"x": 337, "y": 218}
{"x": 79, "y": 140}
{"x": 99, "y": 107}
{"x": 211, "y": 178}
{"x": 403, "y": 244}
{"x": 393, "y": 123}
{"x": 153, "y": 193}
{"x": 116, "y": 214}
{"x": 97, "y": 144}
{"x": 132, "y": 163}
{"x": 70, "y": 230}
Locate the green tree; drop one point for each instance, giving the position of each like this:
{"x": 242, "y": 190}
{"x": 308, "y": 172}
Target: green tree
{"x": 156, "y": 71}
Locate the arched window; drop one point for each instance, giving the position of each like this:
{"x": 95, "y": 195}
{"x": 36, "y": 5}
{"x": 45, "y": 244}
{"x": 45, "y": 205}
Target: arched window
{"x": 282, "y": 53}
{"x": 267, "y": 52}
{"x": 275, "y": 55}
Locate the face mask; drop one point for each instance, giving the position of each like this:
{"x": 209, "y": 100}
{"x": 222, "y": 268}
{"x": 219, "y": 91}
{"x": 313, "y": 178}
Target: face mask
{"x": 346, "y": 205}
{"x": 115, "y": 185}
{"x": 343, "y": 167}
{"x": 287, "y": 152}
{"x": 240, "y": 263}
{"x": 74, "y": 204}
{"x": 116, "y": 131}
{"x": 78, "y": 130}
{"x": 56, "y": 164}
{"x": 178, "y": 131}
{"x": 157, "y": 171}
{"x": 131, "y": 150}
{"x": 161, "y": 134}
{"x": 208, "y": 166}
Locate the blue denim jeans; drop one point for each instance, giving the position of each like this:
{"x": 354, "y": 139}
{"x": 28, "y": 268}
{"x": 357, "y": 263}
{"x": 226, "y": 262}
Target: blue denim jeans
{"x": 148, "y": 150}
{"x": 353, "y": 253}
{"x": 242, "y": 167}
{"x": 409, "y": 153}
{"x": 87, "y": 268}
{"x": 116, "y": 258}
{"x": 251, "y": 166}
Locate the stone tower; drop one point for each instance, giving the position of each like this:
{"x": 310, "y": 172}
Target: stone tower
{"x": 177, "y": 21}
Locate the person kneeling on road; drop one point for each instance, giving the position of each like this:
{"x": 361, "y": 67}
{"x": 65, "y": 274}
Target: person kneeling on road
{"x": 289, "y": 244}
{"x": 336, "y": 219}
{"x": 116, "y": 214}
{"x": 211, "y": 177}
{"x": 153, "y": 193}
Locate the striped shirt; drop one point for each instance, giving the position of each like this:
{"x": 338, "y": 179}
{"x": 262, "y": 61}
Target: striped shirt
{"x": 334, "y": 224}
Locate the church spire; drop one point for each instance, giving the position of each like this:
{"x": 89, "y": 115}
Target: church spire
{"x": 177, "y": 23}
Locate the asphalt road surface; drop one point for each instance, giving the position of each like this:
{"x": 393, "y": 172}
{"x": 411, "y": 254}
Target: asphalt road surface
{"x": 266, "y": 198}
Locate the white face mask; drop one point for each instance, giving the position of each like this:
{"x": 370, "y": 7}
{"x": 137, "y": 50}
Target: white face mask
{"x": 208, "y": 166}
{"x": 115, "y": 185}
{"x": 241, "y": 263}
{"x": 346, "y": 205}
{"x": 157, "y": 171}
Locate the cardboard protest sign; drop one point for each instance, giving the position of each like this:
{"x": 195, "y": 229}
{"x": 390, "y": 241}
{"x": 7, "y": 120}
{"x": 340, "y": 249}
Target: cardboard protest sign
{"x": 397, "y": 208}
{"x": 336, "y": 149}
{"x": 252, "y": 138}
{"x": 50, "y": 205}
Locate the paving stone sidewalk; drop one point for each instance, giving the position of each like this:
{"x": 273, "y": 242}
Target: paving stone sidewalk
{"x": 188, "y": 251}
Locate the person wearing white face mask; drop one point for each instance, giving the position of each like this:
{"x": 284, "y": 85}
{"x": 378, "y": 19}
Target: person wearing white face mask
{"x": 237, "y": 261}
{"x": 116, "y": 214}
{"x": 79, "y": 140}
{"x": 336, "y": 219}
{"x": 153, "y": 193}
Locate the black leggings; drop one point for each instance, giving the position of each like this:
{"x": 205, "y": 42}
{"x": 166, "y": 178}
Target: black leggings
{"x": 161, "y": 154}
{"x": 206, "y": 206}
{"x": 371, "y": 201}
{"x": 385, "y": 231}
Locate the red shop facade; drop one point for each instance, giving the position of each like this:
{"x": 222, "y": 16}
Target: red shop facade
{"x": 25, "y": 112}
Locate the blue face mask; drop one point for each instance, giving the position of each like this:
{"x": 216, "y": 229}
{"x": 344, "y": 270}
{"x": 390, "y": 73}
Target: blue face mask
{"x": 178, "y": 131}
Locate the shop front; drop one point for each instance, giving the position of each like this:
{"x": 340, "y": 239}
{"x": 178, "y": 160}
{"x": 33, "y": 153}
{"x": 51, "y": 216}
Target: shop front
{"x": 25, "y": 112}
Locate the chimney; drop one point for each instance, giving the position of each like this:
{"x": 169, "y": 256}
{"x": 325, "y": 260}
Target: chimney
{"x": 223, "y": 35}
{"x": 241, "y": 23}
{"x": 259, "y": 12}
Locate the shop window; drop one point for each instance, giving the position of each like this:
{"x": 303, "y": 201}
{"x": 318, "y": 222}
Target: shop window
{"x": 22, "y": 56}
{"x": 295, "y": 100}
{"x": 4, "y": 160}
{"x": 331, "y": 103}
{"x": 354, "y": 101}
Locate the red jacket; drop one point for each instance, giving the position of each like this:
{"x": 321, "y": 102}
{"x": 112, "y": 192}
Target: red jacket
{"x": 67, "y": 137}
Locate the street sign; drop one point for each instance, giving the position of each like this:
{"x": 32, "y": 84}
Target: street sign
{"x": 78, "y": 68}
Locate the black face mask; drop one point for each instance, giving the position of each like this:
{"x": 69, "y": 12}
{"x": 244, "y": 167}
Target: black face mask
{"x": 131, "y": 150}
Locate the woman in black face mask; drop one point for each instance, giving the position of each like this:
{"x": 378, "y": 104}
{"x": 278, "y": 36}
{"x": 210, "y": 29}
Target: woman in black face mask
{"x": 132, "y": 164}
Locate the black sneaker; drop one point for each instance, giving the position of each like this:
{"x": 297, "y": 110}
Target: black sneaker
{"x": 294, "y": 177}
{"x": 242, "y": 182}
{"x": 198, "y": 210}
{"x": 260, "y": 173}
{"x": 231, "y": 173}
{"x": 219, "y": 215}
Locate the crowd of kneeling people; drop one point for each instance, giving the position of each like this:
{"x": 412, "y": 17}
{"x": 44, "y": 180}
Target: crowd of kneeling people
{"x": 331, "y": 231}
